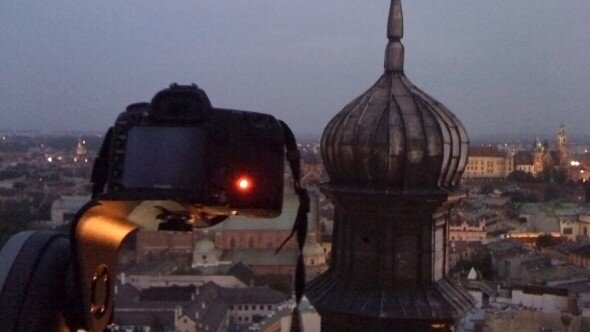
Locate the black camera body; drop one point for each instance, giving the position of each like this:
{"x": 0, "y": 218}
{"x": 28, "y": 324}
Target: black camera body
{"x": 178, "y": 147}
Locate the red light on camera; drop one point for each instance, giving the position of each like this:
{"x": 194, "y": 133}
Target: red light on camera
{"x": 243, "y": 183}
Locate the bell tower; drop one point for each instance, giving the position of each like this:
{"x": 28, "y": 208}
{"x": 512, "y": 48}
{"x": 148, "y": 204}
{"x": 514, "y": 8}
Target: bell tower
{"x": 562, "y": 147}
{"x": 395, "y": 156}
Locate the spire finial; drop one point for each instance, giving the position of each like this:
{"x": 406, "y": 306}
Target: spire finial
{"x": 394, "y": 53}
{"x": 395, "y": 24}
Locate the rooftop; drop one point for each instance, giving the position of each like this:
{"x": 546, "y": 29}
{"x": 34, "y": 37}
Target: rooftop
{"x": 485, "y": 151}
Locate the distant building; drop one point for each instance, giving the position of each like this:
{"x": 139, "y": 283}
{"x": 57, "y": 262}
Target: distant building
{"x": 523, "y": 161}
{"x": 536, "y": 219}
{"x": 468, "y": 232}
{"x": 572, "y": 219}
{"x": 218, "y": 308}
{"x": 463, "y": 251}
{"x": 144, "y": 281}
{"x": 579, "y": 170}
{"x": 487, "y": 162}
{"x": 545, "y": 299}
{"x": 155, "y": 244}
{"x": 563, "y": 153}
{"x": 281, "y": 320}
{"x": 506, "y": 257}
{"x": 80, "y": 151}
{"x": 261, "y": 234}
{"x": 584, "y": 224}
{"x": 541, "y": 157}
{"x": 208, "y": 307}
{"x": 206, "y": 254}
{"x": 580, "y": 257}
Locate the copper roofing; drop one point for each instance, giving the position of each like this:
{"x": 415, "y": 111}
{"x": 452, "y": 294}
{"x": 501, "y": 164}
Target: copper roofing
{"x": 485, "y": 151}
{"x": 395, "y": 135}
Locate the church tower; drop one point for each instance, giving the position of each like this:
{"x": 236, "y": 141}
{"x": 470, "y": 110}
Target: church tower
{"x": 80, "y": 150}
{"x": 539, "y": 152}
{"x": 562, "y": 147}
{"x": 394, "y": 156}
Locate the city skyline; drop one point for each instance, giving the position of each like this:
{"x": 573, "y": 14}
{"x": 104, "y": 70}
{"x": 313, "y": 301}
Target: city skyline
{"x": 517, "y": 68}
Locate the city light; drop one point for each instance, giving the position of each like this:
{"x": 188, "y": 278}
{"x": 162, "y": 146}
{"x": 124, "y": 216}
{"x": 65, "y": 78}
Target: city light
{"x": 49, "y": 159}
{"x": 574, "y": 163}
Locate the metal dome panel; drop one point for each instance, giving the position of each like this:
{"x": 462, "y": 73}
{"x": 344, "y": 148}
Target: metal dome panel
{"x": 395, "y": 135}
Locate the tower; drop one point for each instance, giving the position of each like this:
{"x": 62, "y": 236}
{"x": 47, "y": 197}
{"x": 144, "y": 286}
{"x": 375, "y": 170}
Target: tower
{"x": 80, "y": 150}
{"x": 539, "y": 152}
{"x": 394, "y": 156}
{"x": 562, "y": 147}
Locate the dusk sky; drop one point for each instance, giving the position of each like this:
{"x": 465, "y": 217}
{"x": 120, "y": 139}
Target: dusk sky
{"x": 503, "y": 67}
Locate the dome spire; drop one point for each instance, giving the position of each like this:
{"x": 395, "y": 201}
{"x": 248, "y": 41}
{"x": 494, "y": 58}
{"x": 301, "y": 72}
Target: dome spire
{"x": 395, "y": 24}
{"x": 394, "y": 53}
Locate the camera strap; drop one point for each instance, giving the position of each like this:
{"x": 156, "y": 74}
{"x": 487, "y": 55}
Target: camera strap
{"x": 300, "y": 226}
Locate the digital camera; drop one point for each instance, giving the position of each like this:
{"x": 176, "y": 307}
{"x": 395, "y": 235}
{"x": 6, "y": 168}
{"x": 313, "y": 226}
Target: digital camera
{"x": 179, "y": 147}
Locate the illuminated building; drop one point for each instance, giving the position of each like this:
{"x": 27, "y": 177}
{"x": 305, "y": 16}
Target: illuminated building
{"x": 541, "y": 157}
{"x": 488, "y": 162}
{"x": 80, "y": 150}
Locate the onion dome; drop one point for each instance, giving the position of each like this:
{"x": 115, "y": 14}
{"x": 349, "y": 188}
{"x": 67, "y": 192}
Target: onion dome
{"x": 395, "y": 135}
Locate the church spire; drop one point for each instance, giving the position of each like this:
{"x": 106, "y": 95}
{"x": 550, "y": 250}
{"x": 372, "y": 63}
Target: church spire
{"x": 561, "y": 137}
{"x": 394, "y": 53}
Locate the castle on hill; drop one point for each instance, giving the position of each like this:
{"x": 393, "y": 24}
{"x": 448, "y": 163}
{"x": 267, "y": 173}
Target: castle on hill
{"x": 493, "y": 162}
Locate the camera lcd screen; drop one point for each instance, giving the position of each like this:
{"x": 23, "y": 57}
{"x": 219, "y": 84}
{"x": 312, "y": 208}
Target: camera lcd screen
{"x": 164, "y": 158}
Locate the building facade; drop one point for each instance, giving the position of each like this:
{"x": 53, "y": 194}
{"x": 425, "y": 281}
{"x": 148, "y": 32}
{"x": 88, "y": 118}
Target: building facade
{"x": 488, "y": 162}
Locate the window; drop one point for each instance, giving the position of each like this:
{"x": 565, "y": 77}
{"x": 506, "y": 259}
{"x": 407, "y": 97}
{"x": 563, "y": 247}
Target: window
{"x": 568, "y": 231}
